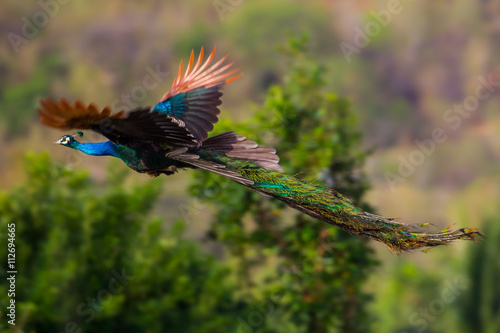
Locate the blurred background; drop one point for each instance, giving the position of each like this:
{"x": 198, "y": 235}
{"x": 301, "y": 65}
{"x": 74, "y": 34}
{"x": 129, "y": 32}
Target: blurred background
{"x": 393, "y": 103}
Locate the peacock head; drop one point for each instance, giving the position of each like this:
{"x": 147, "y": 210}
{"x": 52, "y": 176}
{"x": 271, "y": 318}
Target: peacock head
{"x": 69, "y": 140}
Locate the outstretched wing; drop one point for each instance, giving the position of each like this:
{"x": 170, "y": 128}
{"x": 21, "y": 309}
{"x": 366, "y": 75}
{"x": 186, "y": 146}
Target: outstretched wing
{"x": 140, "y": 124}
{"x": 194, "y": 97}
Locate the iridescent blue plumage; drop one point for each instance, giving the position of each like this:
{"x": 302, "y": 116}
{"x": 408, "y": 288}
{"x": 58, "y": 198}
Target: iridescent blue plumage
{"x": 164, "y": 107}
{"x": 196, "y": 110}
{"x": 107, "y": 148}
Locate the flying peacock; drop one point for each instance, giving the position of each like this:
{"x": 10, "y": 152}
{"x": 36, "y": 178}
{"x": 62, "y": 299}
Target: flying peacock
{"x": 174, "y": 135}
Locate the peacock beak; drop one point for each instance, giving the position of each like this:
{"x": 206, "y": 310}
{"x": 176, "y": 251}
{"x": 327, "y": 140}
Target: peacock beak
{"x": 58, "y": 142}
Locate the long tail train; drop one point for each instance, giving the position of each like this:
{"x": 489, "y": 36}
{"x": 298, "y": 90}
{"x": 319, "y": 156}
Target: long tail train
{"x": 257, "y": 168}
{"x": 331, "y": 207}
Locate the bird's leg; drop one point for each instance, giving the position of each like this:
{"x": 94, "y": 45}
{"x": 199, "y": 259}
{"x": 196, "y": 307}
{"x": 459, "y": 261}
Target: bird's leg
{"x": 168, "y": 171}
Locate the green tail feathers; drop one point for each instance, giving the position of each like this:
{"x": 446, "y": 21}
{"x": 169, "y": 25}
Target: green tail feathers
{"x": 331, "y": 207}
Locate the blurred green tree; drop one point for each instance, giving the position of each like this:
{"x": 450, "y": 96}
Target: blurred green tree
{"x": 97, "y": 263}
{"x": 480, "y": 305}
{"x": 302, "y": 276}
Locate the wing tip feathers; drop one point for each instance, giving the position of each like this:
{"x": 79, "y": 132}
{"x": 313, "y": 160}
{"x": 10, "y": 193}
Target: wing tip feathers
{"x": 199, "y": 75}
{"x": 63, "y": 115}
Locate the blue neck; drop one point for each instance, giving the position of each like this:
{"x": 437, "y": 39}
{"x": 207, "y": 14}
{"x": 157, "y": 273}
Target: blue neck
{"x": 97, "y": 149}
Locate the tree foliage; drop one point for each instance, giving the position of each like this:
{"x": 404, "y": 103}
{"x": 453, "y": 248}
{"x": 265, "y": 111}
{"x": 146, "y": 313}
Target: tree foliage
{"x": 97, "y": 263}
{"x": 480, "y": 307}
{"x": 316, "y": 284}
{"x": 89, "y": 257}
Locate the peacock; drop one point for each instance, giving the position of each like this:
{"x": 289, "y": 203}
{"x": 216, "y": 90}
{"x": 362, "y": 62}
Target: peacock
{"x": 174, "y": 135}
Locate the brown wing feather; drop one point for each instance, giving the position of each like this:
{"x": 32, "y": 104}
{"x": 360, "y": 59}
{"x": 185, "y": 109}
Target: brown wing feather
{"x": 63, "y": 115}
{"x": 237, "y": 146}
{"x": 194, "y": 160}
{"x": 199, "y": 75}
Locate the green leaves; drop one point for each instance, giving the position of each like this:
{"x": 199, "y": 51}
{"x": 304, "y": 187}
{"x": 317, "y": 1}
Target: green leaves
{"x": 91, "y": 258}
